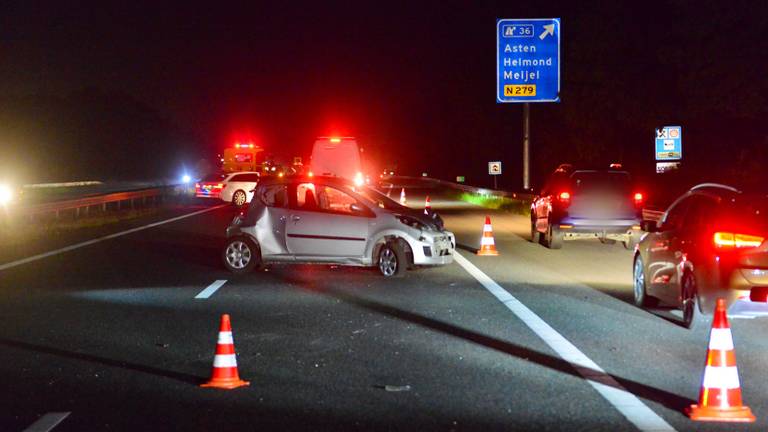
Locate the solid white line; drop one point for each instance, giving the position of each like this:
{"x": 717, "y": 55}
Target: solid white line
{"x": 47, "y": 422}
{"x": 204, "y": 294}
{"x": 37, "y": 257}
{"x": 625, "y": 402}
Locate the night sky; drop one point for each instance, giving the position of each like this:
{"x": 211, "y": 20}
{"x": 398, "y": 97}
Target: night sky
{"x": 138, "y": 91}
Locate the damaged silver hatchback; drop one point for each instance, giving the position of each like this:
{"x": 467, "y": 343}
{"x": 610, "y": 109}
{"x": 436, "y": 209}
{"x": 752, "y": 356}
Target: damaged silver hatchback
{"x": 328, "y": 220}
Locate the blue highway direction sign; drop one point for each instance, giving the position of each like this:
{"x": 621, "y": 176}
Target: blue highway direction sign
{"x": 669, "y": 143}
{"x": 528, "y": 60}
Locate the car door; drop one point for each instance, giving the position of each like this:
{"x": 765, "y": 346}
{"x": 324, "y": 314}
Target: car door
{"x": 323, "y": 223}
{"x": 661, "y": 255}
{"x": 269, "y": 212}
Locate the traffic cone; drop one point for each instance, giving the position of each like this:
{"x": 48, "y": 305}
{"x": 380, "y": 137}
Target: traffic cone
{"x": 402, "y": 196}
{"x": 487, "y": 244}
{"x": 720, "y": 395}
{"x": 427, "y": 206}
{"x": 224, "y": 375}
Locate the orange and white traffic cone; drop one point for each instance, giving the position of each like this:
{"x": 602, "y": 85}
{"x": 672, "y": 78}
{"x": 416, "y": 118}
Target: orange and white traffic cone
{"x": 427, "y": 206}
{"x": 402, "y": 196}
{"x": 487, "y": 244}
{"x": 224, "y": 375}
{"x": 720, "y": 395}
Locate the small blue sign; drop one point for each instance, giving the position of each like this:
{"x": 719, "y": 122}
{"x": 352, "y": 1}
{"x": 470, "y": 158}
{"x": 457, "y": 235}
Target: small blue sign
{"x": 528, "y": 60}
{"x": 669, "y": 143}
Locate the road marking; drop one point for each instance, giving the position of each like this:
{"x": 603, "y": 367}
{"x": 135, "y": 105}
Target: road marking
{"x": 47, "y": 422}
{"x": 625, "y": 402}
{"x": 204, "y": 294}
{"x": 38, "y": 257}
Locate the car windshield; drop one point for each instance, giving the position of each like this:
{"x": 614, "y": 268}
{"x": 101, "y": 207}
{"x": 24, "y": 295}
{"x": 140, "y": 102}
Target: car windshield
{"x": 214, "y": 177}
{"x": 379, "y": 199}
{"x": 593, "y": 181}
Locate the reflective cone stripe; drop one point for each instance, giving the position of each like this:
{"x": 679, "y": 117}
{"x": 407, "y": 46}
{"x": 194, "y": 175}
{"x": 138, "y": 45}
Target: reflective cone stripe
{"x": 487, "y": 243}
{"x": 720, "y": 395}
{"x": 225, "y": 373}
{"x": 427, "y": 206}
{"x": 402, "y": 196}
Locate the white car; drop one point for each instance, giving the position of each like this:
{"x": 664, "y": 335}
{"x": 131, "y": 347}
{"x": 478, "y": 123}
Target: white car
{"x": 331, "y": 220}
{"x": 236, "y": 187}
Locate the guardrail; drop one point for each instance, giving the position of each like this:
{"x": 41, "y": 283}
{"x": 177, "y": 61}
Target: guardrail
{"x": 86, "y": 203}
{"x": 653, "y": 215}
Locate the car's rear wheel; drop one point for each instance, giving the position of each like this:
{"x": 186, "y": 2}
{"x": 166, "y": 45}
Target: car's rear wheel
{"x": 642, "y": 299}
{"x": 535, "y": 234}
{"x": 392, "y": 260}
{"x": 239, "y": 198}
{"x": 692, "y": 316}
{"x": 554, "y": 237}
{"x": 241, "y": 255}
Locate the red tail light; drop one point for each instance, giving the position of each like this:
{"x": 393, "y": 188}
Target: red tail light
{"x": 727, "y": 240}
{"x": 197, "y": 185}
{"x": 219, "y": 186}
{"x": 638, "y": 198}
{"x": 564, "y": 197}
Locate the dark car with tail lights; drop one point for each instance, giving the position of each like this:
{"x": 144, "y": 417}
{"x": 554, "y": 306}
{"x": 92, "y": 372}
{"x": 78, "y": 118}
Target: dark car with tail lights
{"x": 709, "y": 244}
{"x": 587, "y": 203}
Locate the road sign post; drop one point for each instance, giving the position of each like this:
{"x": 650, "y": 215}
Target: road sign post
{"x": 669, "y": 148}
{"x": 527, "y": 69}
{"x": 494, "y": 170}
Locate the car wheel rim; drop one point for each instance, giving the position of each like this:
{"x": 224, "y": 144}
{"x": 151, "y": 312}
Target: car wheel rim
{"x": 639, "y": 281}
{"x": 387, "y": 262}
{"x": 238, "y": 255}
{"x": 239, "y": 198}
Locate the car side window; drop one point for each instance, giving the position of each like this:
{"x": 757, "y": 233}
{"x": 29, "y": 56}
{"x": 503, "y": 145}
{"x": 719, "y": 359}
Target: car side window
{"x": 306, "y": 197}
{"x": 275, "y": 196}
{"x": 237, "y": 178}
{"x": 333, "y": 200}
{"x": 675, "y": 215}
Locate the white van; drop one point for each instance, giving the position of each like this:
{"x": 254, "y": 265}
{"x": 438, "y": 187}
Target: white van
{"x": 337, "y": 157}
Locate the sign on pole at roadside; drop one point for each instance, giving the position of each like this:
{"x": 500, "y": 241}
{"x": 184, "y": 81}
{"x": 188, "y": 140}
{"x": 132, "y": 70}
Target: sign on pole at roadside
{"x": 669, "y": 143}
{"x": 528, "y": 60}
{"x": 494, "y": 168}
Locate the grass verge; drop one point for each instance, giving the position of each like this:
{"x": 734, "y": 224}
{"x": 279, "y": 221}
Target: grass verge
{"x": 512, "y": 205}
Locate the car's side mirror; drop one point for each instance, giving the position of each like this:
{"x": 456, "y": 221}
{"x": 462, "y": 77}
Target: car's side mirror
{"x": 649, "y": 226}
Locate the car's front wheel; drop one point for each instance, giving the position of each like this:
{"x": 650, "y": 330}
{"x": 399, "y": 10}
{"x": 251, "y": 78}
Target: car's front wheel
{"x": 692, "y": 315}
{"x": 239, "y": 198}
{"x": 392, "y": 260}
{"x": 642, "y": 299}
{"x": 241, "y": 255}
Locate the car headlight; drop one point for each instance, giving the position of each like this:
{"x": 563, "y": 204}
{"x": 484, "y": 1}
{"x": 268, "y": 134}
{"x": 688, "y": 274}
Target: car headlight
{"x": 6, "y": 194}
{"x": 412, "y": 222}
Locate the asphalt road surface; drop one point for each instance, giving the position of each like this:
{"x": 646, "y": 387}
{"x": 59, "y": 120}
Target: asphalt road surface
{"x": 109, "y": 336}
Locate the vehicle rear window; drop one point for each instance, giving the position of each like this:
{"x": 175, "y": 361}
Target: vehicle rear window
{"x": 214, "y": 177}
{"x": 587, "y": 181}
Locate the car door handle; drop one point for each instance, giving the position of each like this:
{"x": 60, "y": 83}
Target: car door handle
{"x": 296, "y": 218}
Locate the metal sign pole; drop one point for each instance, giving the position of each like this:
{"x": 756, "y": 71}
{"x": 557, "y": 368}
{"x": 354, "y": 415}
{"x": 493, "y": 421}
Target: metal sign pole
{"x": 526, "y": 146}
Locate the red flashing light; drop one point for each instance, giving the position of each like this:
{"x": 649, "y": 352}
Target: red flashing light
{"x": 335, "y": 140}
{"x": 564, "y": 197}
{"x": 638, "y": 198}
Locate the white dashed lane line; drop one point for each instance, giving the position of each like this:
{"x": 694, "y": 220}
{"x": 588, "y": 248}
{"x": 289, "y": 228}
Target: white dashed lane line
{"x": 47, "y": 422}
{"x": 625, "y": 402}
{"x": 37, "y": 257}
{"x": 212, "y": 288}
